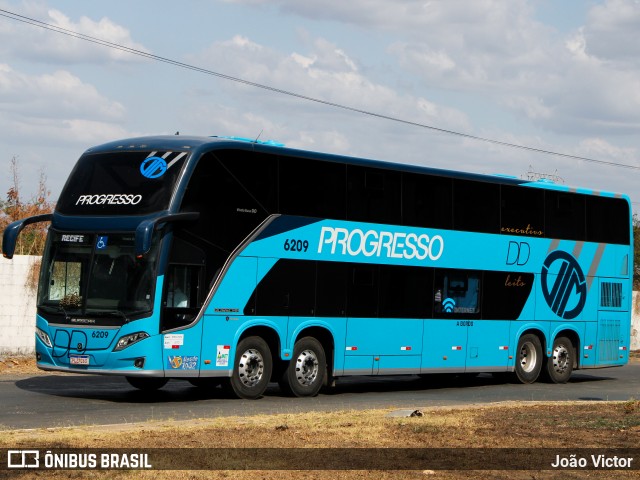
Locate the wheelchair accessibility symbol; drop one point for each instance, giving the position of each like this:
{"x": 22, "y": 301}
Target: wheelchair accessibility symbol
{"x": 102, "y": 242}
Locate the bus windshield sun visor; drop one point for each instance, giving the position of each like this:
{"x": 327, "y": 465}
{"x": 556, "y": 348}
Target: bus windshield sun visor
{"x": 144, "y": 231}
{"x": 10, "y": 237}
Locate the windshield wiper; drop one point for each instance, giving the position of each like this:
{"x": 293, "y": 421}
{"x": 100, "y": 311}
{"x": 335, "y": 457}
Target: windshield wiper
{"x": 111, "y": 313}
{"x": 52, "y": 309}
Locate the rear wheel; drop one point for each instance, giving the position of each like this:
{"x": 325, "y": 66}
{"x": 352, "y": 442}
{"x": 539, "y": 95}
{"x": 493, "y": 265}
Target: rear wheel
{"x": 306, "y": 372}
{"x": 252, "y": 368}
{"x": 528, "y": 359}
{"x": 560, "y": 363}
{"x": 147, "y": 384}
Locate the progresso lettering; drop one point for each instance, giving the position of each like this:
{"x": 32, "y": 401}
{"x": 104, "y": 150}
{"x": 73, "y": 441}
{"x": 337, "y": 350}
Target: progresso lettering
{"x": 109, "y": 199}
{"x": 381, "y": 244}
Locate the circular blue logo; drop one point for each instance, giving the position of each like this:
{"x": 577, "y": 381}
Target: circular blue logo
{"x": 153, "y": 167}
{"x": 565, "y": 290}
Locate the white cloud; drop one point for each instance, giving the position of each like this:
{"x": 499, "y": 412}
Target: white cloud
{"x": 584, "y": 81}
{"x": 611, "y": 32}
{"x": 42, "y": 113}
{"x": 532, "y": 107}
{"x": 594, "y": 147}
{"x": 326, "y": 72}
{"x": 59, "y": 95}
{"x": 42, "y": 45}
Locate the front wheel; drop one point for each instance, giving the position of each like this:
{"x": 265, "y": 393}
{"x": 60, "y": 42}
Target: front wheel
{"x": 307, "y": 370}
{"x": 147, "y": 384}
{"x": 252, "y": 368}
{"x": 529, "y": 358}
{"x": 560, "y": 363}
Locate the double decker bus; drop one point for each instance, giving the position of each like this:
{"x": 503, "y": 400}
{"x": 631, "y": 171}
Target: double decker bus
{"x": 216, "y": 260}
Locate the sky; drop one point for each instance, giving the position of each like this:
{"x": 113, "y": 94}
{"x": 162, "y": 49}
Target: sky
{"x": 561, "y": 76}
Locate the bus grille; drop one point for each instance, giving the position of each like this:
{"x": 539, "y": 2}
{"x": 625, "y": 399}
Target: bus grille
{"x": 609, "y": 340}
{"x": 611, "y": 294}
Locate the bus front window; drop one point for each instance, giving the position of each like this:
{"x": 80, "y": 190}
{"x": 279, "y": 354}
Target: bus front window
{"x": 96, "y": 275}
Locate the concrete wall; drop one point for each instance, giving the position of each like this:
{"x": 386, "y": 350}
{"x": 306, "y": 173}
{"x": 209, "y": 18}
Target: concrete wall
{"x": 635, "y": 322}
{"x": 18, "y": 308}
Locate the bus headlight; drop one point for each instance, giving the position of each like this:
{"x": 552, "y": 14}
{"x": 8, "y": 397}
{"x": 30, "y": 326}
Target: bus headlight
{"x": 44, "y": 337}
{"x": 129, "y": 340}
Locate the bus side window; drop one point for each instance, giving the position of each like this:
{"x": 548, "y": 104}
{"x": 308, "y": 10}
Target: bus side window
{"x": 287, "y": 290}
{"x": 607, "y": 220}
{"x": 405, "y": 292}
{"x": 331, "y": 291}
{"x": 179, "y": 288}
{"x": 362, "y": 299}
{"x": 427, "y": 201}
{"x": 373, "y": 195}
{"x": 184, "y": 284}
{"x": 476, "y": 206}
{"x": 521, "y": 211}
{"x": 564, "y": 215}
{"x": 182, "y": 299}
{"x": 457, "y": 293}
{"x": 312, "y": 188}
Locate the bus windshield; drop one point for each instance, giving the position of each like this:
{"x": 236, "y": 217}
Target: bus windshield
{"x": 96, "y": 275}
{"x": 124, "y": 183}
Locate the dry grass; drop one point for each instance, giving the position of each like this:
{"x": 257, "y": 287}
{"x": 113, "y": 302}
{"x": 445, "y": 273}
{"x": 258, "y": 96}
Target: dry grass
{"x": 585, "y": 425}
{"x": 508, "y": 425}
{"x": 18, "y": 365}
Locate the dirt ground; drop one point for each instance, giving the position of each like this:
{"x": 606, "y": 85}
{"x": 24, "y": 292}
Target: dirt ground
{"x": 18, "y": 365}
{"x": 526, "y": 426}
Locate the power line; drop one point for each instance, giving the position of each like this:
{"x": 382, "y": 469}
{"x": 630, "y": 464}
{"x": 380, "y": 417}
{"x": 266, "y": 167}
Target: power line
{"x": 133, "y": 51}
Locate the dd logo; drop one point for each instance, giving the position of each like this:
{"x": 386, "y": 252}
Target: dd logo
{"x": 569, "y": 285}
{"x": 518, "y": 253}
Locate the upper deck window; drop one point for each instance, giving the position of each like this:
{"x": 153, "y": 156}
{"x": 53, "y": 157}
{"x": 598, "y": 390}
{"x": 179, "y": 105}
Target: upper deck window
{"x": 125, "y": 183}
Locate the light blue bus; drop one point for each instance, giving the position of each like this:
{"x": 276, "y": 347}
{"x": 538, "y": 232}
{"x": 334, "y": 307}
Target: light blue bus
{"x": 222, "y": 261}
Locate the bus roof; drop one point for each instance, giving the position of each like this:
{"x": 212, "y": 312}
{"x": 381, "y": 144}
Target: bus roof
{"x": 200, "y": 145}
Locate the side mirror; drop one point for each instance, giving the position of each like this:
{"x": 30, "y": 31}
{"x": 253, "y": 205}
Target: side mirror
{"x": 144, "y": 231}
{"x": 10, "y": 236}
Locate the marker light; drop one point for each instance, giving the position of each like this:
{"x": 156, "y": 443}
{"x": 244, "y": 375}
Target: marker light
{"x": 129, "y": 340}
{"x": 44, "y": 337}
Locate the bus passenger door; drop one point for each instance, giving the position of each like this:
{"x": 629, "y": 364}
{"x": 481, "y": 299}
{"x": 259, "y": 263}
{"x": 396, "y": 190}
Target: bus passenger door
{"x": 183, "y": 295}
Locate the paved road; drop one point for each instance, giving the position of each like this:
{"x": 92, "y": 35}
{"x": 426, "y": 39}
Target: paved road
{"x": 49, "y": 400}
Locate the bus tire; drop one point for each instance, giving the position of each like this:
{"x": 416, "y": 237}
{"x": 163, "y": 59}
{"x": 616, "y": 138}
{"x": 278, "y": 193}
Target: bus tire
{"x": 560, "y": 362}
{"x": 528, "y": 358}
{"x": 307, "y": 370}
{"x": 251, "y": 369}
{"x": 147, "y": 384}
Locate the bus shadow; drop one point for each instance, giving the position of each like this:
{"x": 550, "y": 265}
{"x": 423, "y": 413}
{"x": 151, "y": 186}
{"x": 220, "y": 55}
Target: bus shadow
{"x": 117, "y": 390}
{"x": 437, "y": 382}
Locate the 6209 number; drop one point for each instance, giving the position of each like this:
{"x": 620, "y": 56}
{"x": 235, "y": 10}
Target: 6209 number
{"x": 294, "y": 245}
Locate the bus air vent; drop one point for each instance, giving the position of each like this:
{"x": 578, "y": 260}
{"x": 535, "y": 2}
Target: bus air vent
{"x": 611, "y": 294}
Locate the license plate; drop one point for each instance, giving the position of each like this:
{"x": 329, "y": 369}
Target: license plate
{"x": 79, "y": 359}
